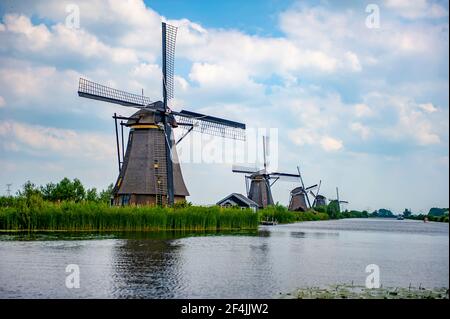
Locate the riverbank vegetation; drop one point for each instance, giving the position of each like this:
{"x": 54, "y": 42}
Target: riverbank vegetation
{"x": 69, "y": 206}
{"x": 37, "y": 214}
{"x": 350, "y": 291}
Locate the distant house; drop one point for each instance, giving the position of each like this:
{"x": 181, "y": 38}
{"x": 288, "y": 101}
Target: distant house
{"x": 238, "y": 200}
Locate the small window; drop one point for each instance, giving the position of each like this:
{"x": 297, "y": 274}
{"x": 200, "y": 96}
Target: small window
{"x": 126, "y": 200}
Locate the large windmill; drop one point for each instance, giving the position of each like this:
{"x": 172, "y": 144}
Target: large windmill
{"x": 149, "y": 172}
{"x": 337, "y": 201}
{"x": 258, "y": 182}
{"x": 299, "y": 200}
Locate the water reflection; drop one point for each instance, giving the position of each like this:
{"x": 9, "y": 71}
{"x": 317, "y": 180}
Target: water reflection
{"x": 257, "y": 264}
{"x": 318, "y": 235}
{"x": 144, "y": 268}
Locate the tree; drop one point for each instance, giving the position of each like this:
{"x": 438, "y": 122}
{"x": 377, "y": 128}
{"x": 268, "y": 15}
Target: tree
{"x": 407, "y": 213}
{"x": 437, "y": 211}
{"x": 78, "y": 190}
{"x": 48, "y": 191}
{"x": 29, "y": 189}
{"x": 105, "y": 195}
{"x": 63, "y": 189}
{"x": 382, "y": 212}
{"x": 91, "y": 195}
{"x": 333, "y": 210}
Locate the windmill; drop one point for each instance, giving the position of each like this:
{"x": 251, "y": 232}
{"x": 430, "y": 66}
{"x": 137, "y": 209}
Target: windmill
{"x": 299, "y": 200}
{"x": 149, "y": 172}
{"x": 319, "y": 200}
{"x": 258, "y": 182}
{"x": 338, "y": 201}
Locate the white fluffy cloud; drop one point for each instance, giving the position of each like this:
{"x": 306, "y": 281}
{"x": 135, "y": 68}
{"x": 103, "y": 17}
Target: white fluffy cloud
{"x": 328, "y": 83}
{"x": 303, "y": 136}
{"x": 40, "y": 140}
{"x": 359, "y": 128}
{"x": 58, "y": 41}
{"x": 413, "y": 9}
{"x": 331, "y": 144}
{"x": 363, "y": 110}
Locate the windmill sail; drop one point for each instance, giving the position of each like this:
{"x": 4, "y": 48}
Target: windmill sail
{"x": 211, "y": 125}
{"x": 285, "y": 176}
{"x": 96, "y": 91}
{"x": 244, "y": 169}
{"x": 169, "y": 39}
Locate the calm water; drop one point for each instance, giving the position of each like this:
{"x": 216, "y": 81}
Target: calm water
{"x": 247, "y": 265}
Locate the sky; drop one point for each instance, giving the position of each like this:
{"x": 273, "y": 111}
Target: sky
{"x": 355, "y": 91}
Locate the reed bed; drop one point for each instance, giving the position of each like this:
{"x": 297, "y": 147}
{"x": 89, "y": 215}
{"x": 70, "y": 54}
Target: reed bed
{"x": 69, "y": 216}
{"x": 283, "y": 216}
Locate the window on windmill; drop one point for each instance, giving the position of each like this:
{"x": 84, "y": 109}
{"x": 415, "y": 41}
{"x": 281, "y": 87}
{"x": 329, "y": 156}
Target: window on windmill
{"x": 126, "y": 199}
{"x": 156, "y": 164}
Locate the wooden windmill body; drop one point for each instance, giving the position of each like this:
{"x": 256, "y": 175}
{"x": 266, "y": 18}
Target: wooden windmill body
{"x": 260, "y": 191}
{"x": 299, "y": 200}
{"x": 143, "y": 177}
{"x": 149, "y": 170}
{"x": 259, "y": 183}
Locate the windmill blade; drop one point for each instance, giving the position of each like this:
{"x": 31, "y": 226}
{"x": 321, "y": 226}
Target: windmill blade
{"x": 95, "y": 91}
{"x": 169, "y": 33}
{"x": 317, "y": 194}
{"x": 343, "y": 201}
{"x": 211, "y": 125}
{"x": 313, "y": 195}
{"x": 311, "y": 187}
{"x": 285, "y": 177}
{"x": 244, "y": 169}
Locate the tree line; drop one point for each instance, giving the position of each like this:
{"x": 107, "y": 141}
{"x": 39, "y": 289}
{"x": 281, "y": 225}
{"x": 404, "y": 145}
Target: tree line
{"x": 64, "y": 190}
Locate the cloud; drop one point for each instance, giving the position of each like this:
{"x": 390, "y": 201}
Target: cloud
{"x": 37, "y": 37}
{"x": 363, "y": 110}
{"x": 303, "y": 136}
{"x": 2, "y": 102}
{"x": 418, "y": 123}
{"x": 413, "y": 9}
{"x": 428, "y": 107}
{"x": 42, "y": 141}
{"x": 58, "y": 41}
{"x": 364, "y": 131}
{"x": 331, "y": 144}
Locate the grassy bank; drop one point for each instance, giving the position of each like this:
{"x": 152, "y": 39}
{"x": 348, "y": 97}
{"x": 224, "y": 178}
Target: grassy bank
{"x": 69, "y": 216}
{"x": 283, "y": 216}
{"x": 34, "y": 214}
{"x": 361, "y": 292}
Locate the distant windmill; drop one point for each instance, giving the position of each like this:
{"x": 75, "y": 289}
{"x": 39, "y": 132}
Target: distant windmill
{"x": 299, "y": 200}
{"x": 337, "y": 200}
{"x": 149, "y": 172}
{"x": 319, "y": 200}
{"x": 262, "y": 181}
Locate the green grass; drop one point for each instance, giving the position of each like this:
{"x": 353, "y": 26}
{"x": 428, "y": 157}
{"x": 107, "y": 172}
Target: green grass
{"x": 69, "y": 216}
{"x": 283, "y": 216}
